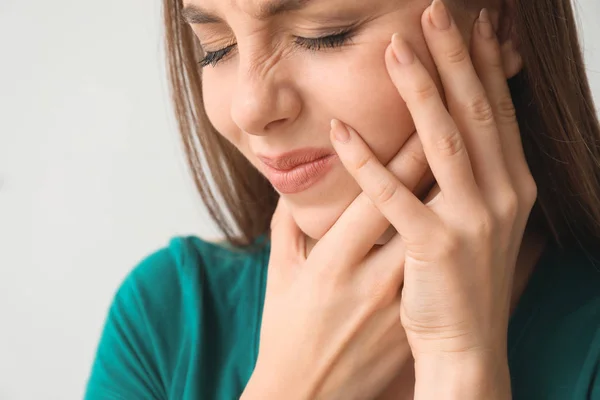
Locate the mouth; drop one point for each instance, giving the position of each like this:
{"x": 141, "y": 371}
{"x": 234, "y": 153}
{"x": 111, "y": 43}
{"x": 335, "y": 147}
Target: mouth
{"x": 296, "y": 171}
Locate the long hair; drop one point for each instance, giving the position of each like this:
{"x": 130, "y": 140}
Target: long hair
{"x": 554, "y": 106}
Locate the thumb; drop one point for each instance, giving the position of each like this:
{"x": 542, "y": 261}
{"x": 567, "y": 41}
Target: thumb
{"x": 287, "y": 240}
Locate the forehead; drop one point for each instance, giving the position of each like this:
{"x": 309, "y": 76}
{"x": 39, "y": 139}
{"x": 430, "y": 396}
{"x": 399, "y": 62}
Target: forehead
{"x": 194, "y": 12}
{"x": 215, "y": 11}
{"x": 262, "y": 9}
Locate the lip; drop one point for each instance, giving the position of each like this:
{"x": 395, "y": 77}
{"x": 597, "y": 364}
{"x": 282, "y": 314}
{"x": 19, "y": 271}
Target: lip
{"x": 298, "y": 170}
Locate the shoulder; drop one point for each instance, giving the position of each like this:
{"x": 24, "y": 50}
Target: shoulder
{"x": 555, "y": 349}
{"x": 189, "y": 261}
{"x": 166, "y": 314}
{"x": 187, "y": 270}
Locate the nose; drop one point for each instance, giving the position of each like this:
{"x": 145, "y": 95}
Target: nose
{"x": 263, "y": 100}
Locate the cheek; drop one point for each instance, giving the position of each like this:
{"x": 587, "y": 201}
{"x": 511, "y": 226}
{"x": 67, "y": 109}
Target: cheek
{"x": 355, "y": 86}
{"x": 375, "y": 108}
{"x": 357, "y": 89}
{"x": 217, "y": 90}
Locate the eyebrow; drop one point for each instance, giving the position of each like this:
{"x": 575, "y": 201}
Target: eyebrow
{"x": 193, "y": 14}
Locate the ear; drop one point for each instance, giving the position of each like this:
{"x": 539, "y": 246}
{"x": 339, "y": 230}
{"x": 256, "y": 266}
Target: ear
{"x": 511, "y": 58}
{"x": 506, "y": 30}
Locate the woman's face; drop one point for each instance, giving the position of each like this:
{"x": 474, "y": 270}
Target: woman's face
{"x": 276, "y": 91}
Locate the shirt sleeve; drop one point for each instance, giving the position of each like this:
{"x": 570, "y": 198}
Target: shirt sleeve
{"x": 128, "y": 359}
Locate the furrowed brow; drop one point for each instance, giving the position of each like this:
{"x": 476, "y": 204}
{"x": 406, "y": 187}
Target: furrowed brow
{"x": 193, "y": 14}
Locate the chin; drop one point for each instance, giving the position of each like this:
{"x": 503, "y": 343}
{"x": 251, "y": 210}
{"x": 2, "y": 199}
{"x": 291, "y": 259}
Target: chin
{"x": 316, "y": 209}
{"x": 316, "y": 220}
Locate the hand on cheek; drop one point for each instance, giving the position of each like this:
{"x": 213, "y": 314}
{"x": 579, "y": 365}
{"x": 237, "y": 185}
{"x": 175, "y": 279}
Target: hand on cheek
{"x": 461, "y": 247}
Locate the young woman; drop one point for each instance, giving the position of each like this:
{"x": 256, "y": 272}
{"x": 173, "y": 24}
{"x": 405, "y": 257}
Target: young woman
{"x": 410, "y": 193}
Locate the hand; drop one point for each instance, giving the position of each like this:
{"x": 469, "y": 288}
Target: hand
{"x": 330, "y": 326}
{"x": 461, "y": 246}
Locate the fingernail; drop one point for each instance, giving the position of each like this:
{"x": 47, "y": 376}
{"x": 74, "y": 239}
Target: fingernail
{"x": 438, "y": 14}
{"x": 484, "y": 24}
{"x": 402, "y": 51}
{"x": 340, "y": 132}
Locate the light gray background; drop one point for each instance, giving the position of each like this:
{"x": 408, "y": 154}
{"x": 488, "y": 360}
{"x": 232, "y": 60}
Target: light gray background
{"x": 92, "y": 176}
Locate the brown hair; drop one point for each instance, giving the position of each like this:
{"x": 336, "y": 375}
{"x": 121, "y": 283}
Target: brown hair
{"x": 554, "y": 106}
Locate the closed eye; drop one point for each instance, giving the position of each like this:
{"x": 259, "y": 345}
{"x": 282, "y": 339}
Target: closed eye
{"x": 338, "y": 39}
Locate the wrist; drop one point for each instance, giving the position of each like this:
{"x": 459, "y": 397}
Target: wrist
{"x": 462, "y": 376}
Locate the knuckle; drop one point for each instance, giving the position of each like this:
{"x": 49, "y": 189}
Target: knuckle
{"x": 450, "y": 144}
{"x": 480, "y": 109}
{"x": 363, "y": 161}
{"x": 505, "y": 109}
{"x": 494, "y": 57}
{"x": 416, "y": 159}
{"x": 529, "y": 190}
{"x": 381, "y": 293}
{"x": 488, "y": 55}
{"x": 484, "y": 225}
{"x": 449, "y": 245}
{"x": 425, "y": 92}
{"x": 457, "y": 55}
{"x": 386, "y": 190}
{"x": 510, "y": 205}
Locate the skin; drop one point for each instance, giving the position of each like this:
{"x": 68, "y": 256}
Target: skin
{"x": 272, "y": 96}
{"x": 268, "y": 98}
{"x": 460, "y": 247}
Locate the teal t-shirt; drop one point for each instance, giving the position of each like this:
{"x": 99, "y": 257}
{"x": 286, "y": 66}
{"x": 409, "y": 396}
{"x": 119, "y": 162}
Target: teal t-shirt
{"x": 185, "y": 325}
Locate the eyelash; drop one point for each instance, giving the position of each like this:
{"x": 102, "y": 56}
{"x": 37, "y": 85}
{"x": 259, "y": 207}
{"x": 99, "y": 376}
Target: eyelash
{"x": 313, "y": 44}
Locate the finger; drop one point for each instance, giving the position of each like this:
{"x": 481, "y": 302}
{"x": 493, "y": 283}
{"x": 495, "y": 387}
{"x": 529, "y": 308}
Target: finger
{"x": 383, "y": 270}
{"x": 467, "y": 100}
{"x": 424, "y": 185}
{"x": 488, "y": 63}
{"x": 441, "y": 139}
{"x": 411, "y": 218}
{"x": 410, "y": 166}
{"x": 362, "y": 224}
{"x": 287, "y": 240}
{"x": 432, "y": 196}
